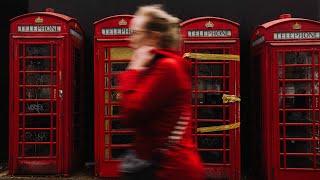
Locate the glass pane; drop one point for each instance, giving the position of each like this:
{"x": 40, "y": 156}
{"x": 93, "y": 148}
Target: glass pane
{"x": 297, "y": 116}
{"x": 117, "y": 124}
{"x": 39, "y": 79}
{"x": 298, "y": 72}
{"x": 106, "y": 96}
{"x": 115, "y": 67}
{"x": 35, "y": 136}
{"x": 114, "y": 96}
{"x": 106, "y": 139}
{"x": 106, "y": 82}
{"x": 211, "y": 156}
{"x": 114, "y": 81}
{"x": 209, "y": 51}
{"x": 210, "y": 84}
{"x": 37, "y": 50}
{"x": 106, "y": 125}
{"x": 37, "y": 122}
{"x": 106, "y": 110}
{"x": 122, "y": 139}
{"x": 37, "y": 93}
{"x": 37, "y": 64}
{"x": 37, "y": 107}
{"x": 106, "y": 154}
{"x": 299, "y": 162}
{"x": 299, "y": 146}
{"x": 209, "y": 113}
{"x": 298, "y": 57}
{"x": 118, "y": 53}
{"x": 115, "y": 110}
{"x": 106, "y": 68}
{"x": 210, "y": 142}
{"x": 37, "y": 149}
{"x": 296, "y": 88}
{"x": 299, "y": 131}
{"x": 209, "y": 99}
{"x": 118, "y": 153}
{"x": 210, "y": 70}
{"x": 296, "y": 102}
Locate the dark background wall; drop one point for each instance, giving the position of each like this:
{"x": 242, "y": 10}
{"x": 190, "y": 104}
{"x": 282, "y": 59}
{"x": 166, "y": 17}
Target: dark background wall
{"x": 249, "y": 13}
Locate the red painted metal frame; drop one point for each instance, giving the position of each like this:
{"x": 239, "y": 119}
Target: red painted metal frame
{"x": 229, "y": 167}
{"x": 272, "y": 52}
{"x": 68, "y": 47}
{"x": 104, "y": 130}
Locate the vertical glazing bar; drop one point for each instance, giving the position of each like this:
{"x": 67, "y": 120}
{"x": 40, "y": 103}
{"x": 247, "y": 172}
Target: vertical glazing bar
{"x": 224, "y": 107}
{"x": 51, "y": 99}
{"x": 23, "y": 96}
{"x": 283, "y": 100}
{"x": 196, "y": 79}
{"x": 313, "y": 110}
{"x": 109, "y": 86}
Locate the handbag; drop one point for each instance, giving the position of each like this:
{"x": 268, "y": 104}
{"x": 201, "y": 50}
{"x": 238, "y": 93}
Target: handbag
{"x": 134, "y": 168}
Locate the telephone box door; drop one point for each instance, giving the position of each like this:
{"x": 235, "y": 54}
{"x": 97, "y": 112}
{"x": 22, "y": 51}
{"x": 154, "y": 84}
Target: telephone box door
{"x": 38, "y": 94}
{"x": 212, "y": 79}
{"x": 296, "y": 109}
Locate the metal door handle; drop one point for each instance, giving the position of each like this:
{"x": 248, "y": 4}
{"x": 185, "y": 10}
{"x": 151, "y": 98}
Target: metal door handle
{"x": 230, "y": 98}
{"x": 60, "y": 93}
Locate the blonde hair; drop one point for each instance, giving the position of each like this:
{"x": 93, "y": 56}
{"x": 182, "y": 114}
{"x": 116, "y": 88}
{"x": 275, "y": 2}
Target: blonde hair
{"x": 158, "y": 20}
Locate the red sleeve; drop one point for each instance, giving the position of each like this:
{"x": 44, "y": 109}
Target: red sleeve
{"x": 142, "y": 98}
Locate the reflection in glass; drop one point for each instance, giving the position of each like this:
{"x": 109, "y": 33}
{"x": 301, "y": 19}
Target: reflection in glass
{"x": 295, "y": 88}
{"x": 209, "y": 113}
{"x": 115, "y": 67}
{"x": 209, "y": 99}
{"x": 114, "y": 96}
{"x": 298, "y": 57}
{"x": 37, "y": 65}
{"x": 299, "y": 131}
{"x": 210, "y": 70}
{"x": 122, "y": 139}
{"x": 35, "y": 136}
{"x": 299, "y": 161}
{"x": 211, "y": 156}
{"x": 37, "y": 149}
{"x": 37, "y": 50}
{"x": 210, "y": 84}
{"x": 299, "y": 72}
{"x": 39, "y": 79}
{"x": 37, "y": 93}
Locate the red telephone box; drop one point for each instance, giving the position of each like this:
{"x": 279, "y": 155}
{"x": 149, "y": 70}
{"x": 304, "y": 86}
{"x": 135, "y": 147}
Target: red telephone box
{"x": 45, "y": 81}
{"x": 111, "y": 56}
{"x": 285, "y": 54}
{"x": 212, "y": 46}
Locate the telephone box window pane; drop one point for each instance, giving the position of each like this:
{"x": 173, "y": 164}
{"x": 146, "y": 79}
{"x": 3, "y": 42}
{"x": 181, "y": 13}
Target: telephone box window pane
{"x": 299, "y": 161}
{"x": 37, "y": 107}
{"x": 37, "y": 93}
{"x": 37, "y": 121}
{"x": 20, "y": 50}
{"x": 106, "y": 96}
{"x": 39, "y": 79}
{"x": 281, "y": 161}
{"x": 316, "y": 58}
{"x": 21, "y": 66}
{"x": 210, "y": 70}
{"x": 118, "y": 153}
{"x": 299, "y": 131}
{"x": 114, "y": 81}
{"x": 37, "y": 64}
{"x": 38, "y": 50}
{"x": 211, "y": 156}
{"x": 296, "y": 88}
{"x": 207, "y": 142}
{"x": 122, "y": 139}
{"x": 37, "y": 149}
{"x": 106, "y": 82}
{"x": 106, "y": 110}
{"x": 115, "y": 110}
{"x": 210, "y": 113}
{"x": 210, "y": 84}
{"x": 117, "y": 124}
{"x": 120, "y": 53}
{"x": 106, "y": 139}
{"x": 106, "y": 125}
{"x": 210, "y": 51}
{"x": 116, "y": 67}
{"x": 298, "y": 57}
{"x": 296, "y": 102}
{"x": 209, "y": 98}
{"x": 299, "y": 146}
{"x": 298, "y": 116}
{"x": 114, "y": 96}
{"x": 298, "y": 72}
{"x": 318, "y": 160}
{"x": 106, "y": 154}
{"x": 106, "y": 67}
{"x": 35, "y": 136}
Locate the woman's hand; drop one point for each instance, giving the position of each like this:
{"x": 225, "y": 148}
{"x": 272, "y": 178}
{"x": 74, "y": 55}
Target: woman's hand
{"x": 141, "y": 57}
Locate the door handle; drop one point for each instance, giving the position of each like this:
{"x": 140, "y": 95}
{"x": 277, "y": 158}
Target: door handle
{"x": 60, "y": 93}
